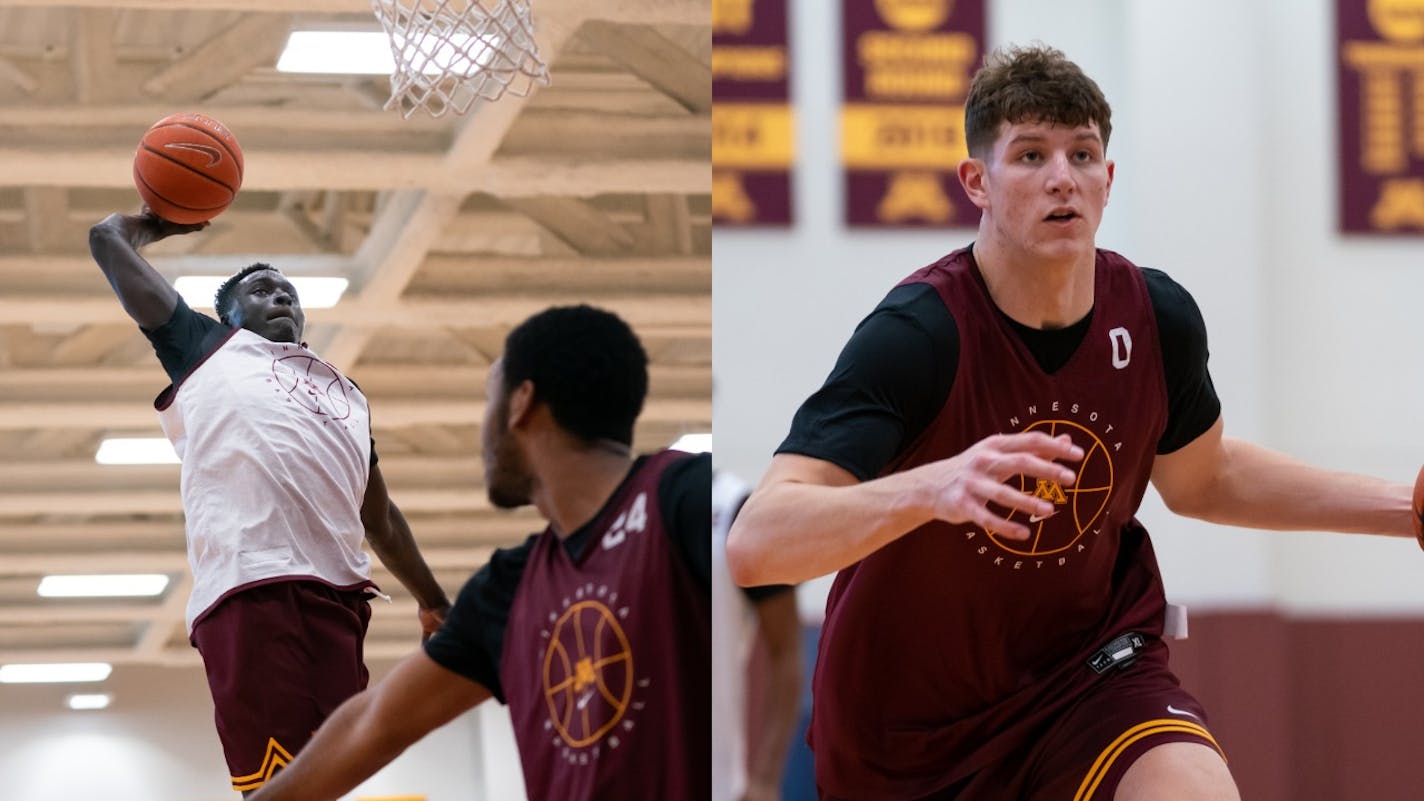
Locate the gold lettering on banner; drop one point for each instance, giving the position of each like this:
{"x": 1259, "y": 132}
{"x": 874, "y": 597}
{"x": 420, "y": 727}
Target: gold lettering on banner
{"x": 913, "y": 15}
{"x": 1400, "y": 205}
{"x": 752, "y": 135}
{"x": 890, "y": 137}
{"x": 924, "y": 66}
{"x": 730, "y": 200}
{"x": 1387, "y": 134}
{"x": 915, "y": 196}
{"x": 732, "y": 16}
{"x": 746, "y": 63}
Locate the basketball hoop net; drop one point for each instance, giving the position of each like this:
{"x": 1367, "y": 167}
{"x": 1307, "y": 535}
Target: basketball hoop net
{"x": 450, "y": 53}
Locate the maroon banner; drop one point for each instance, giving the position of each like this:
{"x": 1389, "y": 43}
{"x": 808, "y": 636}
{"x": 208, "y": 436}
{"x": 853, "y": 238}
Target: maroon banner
{"x": 1380, "y": 52}
{"x": 753, "y": 143}
{"x": 907, "y": 67}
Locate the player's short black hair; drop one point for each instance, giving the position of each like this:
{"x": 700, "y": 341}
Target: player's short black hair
{"x": 224, "y": 294}
{"x": 586, "y": 364}
{"x": 1033, "y": 83}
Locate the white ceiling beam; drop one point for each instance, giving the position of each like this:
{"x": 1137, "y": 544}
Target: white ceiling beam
{"x": 645, "y": 52}
{"x": 681, "y": 12}
{"x": 253, "y": 41}
{"x": 94, "y": 61}
{"x": 336, "y": 169}
{"x": 420, "y": 312}
{"x": 176, "y": 561}
{"x": 454, "y": 381}
{"x": 110, "y": 415}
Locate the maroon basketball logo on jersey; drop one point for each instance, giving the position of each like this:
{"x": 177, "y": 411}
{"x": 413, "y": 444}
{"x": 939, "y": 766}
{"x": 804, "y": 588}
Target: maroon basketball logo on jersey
{"x": 588, "y": 664}
{"x": 312, "y": 384}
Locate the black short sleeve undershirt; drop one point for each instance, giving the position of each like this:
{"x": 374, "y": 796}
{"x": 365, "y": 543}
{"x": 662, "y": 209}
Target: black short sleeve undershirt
{"x": 185, "y": 340}
{"x": 471, "y": 641}
{"x": 877, "y": 398}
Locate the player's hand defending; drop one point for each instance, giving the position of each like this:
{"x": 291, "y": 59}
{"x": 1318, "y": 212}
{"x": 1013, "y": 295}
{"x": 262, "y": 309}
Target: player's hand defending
{"x": 431, "y": 619}
{"x": 962, "y": 487}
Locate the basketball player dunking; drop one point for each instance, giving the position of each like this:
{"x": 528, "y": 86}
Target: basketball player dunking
{"x": 594, "y": 632}
{"x": 972, "y": 468}
{"x": 280, "y": 482}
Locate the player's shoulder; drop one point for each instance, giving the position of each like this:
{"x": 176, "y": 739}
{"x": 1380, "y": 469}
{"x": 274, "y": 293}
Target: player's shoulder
{"x": 685, "y": 473}
{"x": 1177, "y": 313}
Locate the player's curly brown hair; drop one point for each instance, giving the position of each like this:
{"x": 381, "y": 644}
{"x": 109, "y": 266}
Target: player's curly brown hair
{"x": 1030, "y": 83}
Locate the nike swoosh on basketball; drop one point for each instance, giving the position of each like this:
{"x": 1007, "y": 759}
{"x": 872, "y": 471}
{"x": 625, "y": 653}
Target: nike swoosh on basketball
{"x": 583, "y": 701}
{"x": 1176, "y": 711}
{"x": 1036, "y": 518}
{"x": 214, "y": 155}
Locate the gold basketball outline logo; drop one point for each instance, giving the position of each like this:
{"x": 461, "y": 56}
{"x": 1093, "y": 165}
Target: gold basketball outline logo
{"x": 1068, "y": 495}
{"x": 585, "y": 670}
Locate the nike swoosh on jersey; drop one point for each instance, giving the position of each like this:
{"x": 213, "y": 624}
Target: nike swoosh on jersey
{"x": 1036, "y": 518}
{"x": 1176, "y": 711}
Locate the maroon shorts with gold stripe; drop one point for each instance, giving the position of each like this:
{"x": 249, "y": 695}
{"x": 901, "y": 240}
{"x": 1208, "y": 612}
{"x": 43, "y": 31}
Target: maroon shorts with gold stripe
{"x": 280, "y": 658}
{"x": 1083, "y": 754}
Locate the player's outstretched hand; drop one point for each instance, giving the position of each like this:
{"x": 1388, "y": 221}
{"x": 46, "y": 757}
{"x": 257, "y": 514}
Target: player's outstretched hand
{"x": 963, "y": 486}
{"x": 146, "y": 227}
{"x": 431, "y": 619}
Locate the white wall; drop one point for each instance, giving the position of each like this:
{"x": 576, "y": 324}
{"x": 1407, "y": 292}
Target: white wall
{"x": 1224, "y": 142}
{"x": 156, "y": 742}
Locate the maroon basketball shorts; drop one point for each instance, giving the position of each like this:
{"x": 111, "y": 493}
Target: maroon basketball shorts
{"x": 280, "y": 658}
{"x": 1083, "y": 754}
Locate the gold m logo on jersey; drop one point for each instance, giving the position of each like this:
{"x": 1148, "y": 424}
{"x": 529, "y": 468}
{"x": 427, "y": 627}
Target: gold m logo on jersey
{"x": 1077, "y": 507}
{"x": 1050, "y": 491}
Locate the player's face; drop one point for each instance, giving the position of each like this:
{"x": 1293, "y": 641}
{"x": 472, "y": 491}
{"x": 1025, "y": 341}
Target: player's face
{"x": 508, "y": 480}
{"x": 266, "y": 304}
{"x": 1045, "y": 188}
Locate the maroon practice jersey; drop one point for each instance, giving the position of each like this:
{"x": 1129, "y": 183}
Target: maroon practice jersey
{"x": 948, "y": 649}
{"x": 605, "y": 660}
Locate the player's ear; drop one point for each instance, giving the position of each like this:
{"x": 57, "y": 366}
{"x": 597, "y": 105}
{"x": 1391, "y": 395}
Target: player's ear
{"x": 521, "y": 401}
{"x": 972, "y": 173}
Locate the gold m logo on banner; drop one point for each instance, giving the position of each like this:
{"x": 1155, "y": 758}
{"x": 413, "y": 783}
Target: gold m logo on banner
{"x": 913, "y": 15}
{"x": 1400, "y": 21}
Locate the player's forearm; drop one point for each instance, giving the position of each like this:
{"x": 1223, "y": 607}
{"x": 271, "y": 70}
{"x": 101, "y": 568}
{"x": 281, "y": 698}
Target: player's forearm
{"x": 766, "y": 763}
{"x": 145, "y": 294}
{"x": 348, "y": 748}
{"x": 395, "y": 546}
{"x": 1260, "y": 488}
{"x": 789, "y": 532}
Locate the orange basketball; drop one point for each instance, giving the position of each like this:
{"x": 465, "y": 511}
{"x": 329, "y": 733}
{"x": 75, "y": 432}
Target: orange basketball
{"x": 188, "y": 168}
{"x": 1419, "y": 507}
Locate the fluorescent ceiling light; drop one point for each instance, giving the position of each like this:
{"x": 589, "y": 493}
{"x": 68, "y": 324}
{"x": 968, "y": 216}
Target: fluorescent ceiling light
{"x": 53, "y": 673}
{"x": 693, "y": 443}
{"x": 89, "y": 701}
{"x": 136, "y": 450}
{"x": 314, "y": 291}
{"x": 101, "y": 586}
{"x": 369, "y": 53}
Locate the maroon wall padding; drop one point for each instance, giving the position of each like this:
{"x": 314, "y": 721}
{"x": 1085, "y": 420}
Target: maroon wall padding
{"x": 1312, "y": 709}
{"x": 1308, "y": 709}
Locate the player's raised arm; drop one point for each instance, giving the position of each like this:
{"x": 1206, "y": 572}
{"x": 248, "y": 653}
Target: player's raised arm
{"x": 114, "y": 243}
{"x": 810, "y": 517}
{"x": 372, "y": 728}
